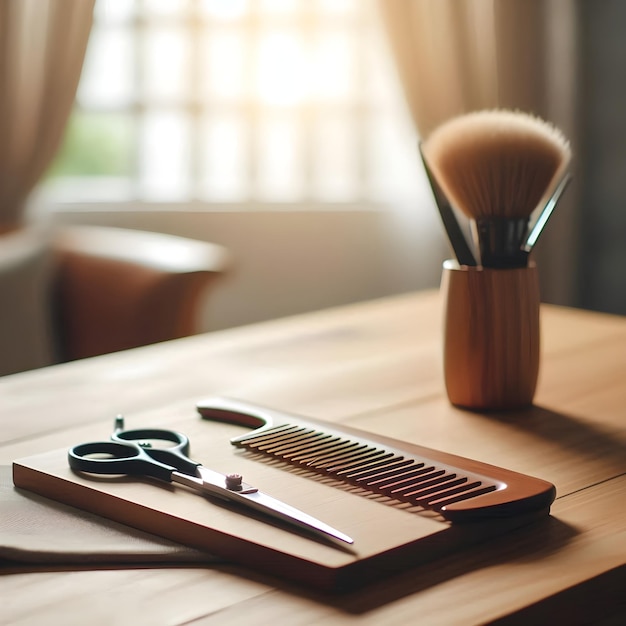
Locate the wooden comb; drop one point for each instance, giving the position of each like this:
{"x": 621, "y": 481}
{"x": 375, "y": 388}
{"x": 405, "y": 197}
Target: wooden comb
{"x": 459, "y": 489}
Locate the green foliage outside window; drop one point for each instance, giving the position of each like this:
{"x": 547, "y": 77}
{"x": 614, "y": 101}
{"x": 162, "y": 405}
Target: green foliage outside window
{"x": 95, "y": 144}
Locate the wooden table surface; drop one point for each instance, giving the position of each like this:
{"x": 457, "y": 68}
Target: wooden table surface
{"x": 376, "y": 366}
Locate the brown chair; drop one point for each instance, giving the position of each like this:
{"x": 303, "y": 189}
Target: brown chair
{"x": 116, "y": 289}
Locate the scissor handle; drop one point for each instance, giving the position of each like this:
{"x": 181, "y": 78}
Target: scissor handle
{"x": 122, "y": 458}
{"x": 174, "y": 456}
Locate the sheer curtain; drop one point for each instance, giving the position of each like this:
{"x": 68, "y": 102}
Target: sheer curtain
{"x": 455, "y": 56}
{"x": 42, "y": 46}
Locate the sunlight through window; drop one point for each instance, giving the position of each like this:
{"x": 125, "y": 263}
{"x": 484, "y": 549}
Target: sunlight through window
{"x": 237, "y": 101}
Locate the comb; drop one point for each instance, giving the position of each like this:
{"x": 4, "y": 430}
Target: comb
{"x": 457, "y": 488}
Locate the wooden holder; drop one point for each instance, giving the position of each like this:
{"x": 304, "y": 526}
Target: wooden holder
{"x": 491, "y": 335}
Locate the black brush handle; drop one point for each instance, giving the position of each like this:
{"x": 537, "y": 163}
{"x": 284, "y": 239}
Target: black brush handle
{"x": 457, "y": 240}
{"x": 501, "y": 241}
{"x": 545, "y": 214}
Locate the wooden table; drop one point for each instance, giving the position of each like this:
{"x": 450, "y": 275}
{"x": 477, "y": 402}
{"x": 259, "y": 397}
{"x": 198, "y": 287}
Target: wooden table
{"x": 376, "y": 366}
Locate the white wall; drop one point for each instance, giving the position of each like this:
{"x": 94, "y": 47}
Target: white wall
{"x": 288, "y": 261}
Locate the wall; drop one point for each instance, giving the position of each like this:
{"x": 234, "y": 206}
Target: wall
{"x": 288, "y": 262}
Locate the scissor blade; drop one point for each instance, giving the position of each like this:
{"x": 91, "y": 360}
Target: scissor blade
{"x": 214, "y": 484}
{"x": 267, "y": 504}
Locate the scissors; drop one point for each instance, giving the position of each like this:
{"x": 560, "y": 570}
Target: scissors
{"x": 129, "y": 452}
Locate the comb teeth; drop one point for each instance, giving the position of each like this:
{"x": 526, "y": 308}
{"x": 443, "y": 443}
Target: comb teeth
{"x": 457, "y": 488}
{"x": 420, "y": 482}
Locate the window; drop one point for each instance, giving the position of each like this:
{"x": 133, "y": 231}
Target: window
{"x": 233, "y": 101}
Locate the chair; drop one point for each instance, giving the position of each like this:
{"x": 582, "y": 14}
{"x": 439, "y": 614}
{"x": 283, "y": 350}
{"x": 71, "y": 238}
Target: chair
{"x": 117, "y": 289}
{"x": 90, "y": 290}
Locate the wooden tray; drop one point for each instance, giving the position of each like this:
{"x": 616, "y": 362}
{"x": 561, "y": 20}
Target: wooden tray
{"x": 389, "y": 536}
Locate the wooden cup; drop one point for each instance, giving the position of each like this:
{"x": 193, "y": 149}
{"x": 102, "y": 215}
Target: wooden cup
{"x": 491, "y": 335}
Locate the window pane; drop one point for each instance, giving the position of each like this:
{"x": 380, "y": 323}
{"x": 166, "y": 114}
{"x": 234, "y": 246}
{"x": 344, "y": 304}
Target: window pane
{"x": 224, "y": 64}
{"x": 393, "y": 160}
{"x": 224, "y": 171}
{"x": 338, "y": 6}
{"x": 279, "y": 6}
{"x": 281, "y": 70}
{"x": 108, "y": 78}
{"x": 96, "y": 144}
{"x": 165, "y": 8}
{"x": 111, "y": 11}
{"x": 334, "y": 73}
{"x": 165, "y": 151}
{"x": 280, "y": 164}
{"x": 166, "y": 63}
{"x": 225, "y": 9}
{"x": 336, "y": 158}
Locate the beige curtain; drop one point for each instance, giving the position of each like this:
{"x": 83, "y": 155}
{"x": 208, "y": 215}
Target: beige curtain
{"x": 455, "y": 56}
{"x": 42, "y": 46}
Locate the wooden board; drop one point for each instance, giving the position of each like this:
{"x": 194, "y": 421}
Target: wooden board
{"x": 388, "y": 537}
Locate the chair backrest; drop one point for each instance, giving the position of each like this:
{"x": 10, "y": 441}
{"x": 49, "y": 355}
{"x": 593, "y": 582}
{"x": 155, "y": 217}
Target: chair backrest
{"x": 118, "y": 288}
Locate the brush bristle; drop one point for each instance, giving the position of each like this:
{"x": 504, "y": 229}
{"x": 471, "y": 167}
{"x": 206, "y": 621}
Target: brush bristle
{"x": 496, "y": 163}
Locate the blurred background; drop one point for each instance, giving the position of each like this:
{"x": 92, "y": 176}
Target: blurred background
{"x": 274, "y": 127}
{"x": 287, "y": 132}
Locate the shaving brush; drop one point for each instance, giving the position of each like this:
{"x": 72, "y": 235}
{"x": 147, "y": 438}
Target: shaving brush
{"x": 498, "y": 167}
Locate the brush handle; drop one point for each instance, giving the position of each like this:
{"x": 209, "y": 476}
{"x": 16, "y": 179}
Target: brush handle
{"x": 491, "y": 336}
{"x": 546, "y": 212}
{"x": 456, "y": 237}
{"x": 500, "y": 241}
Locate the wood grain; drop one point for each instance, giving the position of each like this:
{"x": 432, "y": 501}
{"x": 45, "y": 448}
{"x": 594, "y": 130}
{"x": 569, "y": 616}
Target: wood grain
{"x": 377, "y": 366}
{"x": 411, "y": 535}
{"x": 491, "y": 336}
{"x": 245, "y": 538}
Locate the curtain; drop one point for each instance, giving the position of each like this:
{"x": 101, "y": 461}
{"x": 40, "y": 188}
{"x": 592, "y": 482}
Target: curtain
{"x": 456, "y": 56}
{"x": 42, "y": 46}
